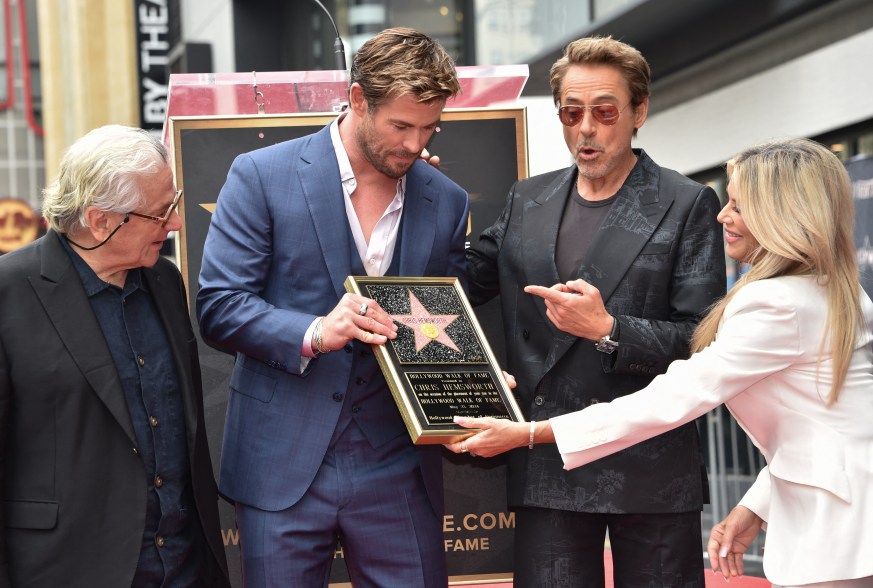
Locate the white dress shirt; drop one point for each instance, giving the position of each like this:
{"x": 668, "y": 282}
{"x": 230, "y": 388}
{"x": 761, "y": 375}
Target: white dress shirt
{"x": 379, "y": 252}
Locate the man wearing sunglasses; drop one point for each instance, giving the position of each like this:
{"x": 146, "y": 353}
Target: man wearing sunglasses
{"x": 105, "y": 475}
{"x": 604, "y": 269}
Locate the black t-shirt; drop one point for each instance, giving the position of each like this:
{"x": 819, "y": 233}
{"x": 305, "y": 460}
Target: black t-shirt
{"x": 579, "y": 224}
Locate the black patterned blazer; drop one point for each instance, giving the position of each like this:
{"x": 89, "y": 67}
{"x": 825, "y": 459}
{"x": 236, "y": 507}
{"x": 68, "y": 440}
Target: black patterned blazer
{"x": 658, "y": 262}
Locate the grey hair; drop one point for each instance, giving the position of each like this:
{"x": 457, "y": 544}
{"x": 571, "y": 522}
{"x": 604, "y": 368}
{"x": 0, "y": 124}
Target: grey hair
{"x": 103, "y": 169}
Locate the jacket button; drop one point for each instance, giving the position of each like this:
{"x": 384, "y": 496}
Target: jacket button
{"x": 140, "y": 360}
{"x": 525, "y": 334}
{"x": 539, "y": 400}
{"x": 159, "y": 541}
{"x": 338, "y": 397}
{"x": 159, "y": 481}
{"x": 356, "y": 409}
{"x": 153, "y": 421}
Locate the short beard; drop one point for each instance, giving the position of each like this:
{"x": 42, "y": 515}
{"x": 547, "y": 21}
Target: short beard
{"x": 364, "y": 135}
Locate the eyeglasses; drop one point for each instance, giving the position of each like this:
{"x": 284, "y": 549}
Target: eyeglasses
{"x": 606, "y": 114}
{"x": 162, "y": 220}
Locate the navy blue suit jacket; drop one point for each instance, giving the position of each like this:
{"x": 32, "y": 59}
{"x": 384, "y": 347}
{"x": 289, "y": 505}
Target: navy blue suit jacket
{"x": 276, "y": 257}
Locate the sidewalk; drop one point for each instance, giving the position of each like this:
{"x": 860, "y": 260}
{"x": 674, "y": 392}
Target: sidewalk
{"x": 712, "y": 580}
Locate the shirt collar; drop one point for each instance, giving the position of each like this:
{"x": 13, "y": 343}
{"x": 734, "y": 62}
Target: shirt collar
{"x": 347, "y": 176}
{"x": 93, "y": 284}
{"x": 342, "y": 157}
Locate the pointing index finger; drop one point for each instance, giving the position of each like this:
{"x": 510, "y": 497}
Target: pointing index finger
{"x": 549, "y": 294}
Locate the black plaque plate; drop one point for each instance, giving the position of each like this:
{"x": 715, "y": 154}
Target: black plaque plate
{"x": 440, "y": 364}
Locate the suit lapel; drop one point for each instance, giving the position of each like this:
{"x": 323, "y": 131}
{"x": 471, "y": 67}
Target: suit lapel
{"x": 539, "y": 231}
{"x": 322, "y": 189}
{"x": 419, "y": 223}
{"x": 629, "y": 225}
{"x": 60, "y": 292}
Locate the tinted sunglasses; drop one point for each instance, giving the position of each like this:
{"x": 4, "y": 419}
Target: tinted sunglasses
{"x": 606, "y": 114}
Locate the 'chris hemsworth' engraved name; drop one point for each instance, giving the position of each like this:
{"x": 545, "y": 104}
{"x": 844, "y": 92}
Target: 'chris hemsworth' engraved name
{"x": 426, "y": 326}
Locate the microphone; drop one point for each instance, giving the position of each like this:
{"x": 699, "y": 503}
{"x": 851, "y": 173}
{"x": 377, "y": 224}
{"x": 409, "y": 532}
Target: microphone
{"x": 338, "y": 49}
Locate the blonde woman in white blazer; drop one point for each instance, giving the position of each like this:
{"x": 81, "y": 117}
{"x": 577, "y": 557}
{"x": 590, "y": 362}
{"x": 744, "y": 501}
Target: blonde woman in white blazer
{"x": 789, "y": 351}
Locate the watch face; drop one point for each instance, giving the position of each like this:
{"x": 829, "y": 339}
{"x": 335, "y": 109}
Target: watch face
{"x": 606, "y": 345}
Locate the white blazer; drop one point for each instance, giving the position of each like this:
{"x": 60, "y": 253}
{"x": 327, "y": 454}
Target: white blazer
{"x": 816, "y": 493}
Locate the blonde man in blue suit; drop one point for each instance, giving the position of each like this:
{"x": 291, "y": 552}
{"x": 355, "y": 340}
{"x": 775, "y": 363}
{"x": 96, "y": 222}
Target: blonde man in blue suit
{"x": 314, "y": 449}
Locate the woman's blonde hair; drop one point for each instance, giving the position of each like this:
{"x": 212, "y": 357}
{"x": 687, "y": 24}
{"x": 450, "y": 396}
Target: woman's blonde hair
{"x": 797, "y": 202}
{"x": 103, "y": 169}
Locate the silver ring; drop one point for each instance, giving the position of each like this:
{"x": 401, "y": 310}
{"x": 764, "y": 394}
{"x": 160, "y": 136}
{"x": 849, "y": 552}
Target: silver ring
{"x": 363, "y": 310}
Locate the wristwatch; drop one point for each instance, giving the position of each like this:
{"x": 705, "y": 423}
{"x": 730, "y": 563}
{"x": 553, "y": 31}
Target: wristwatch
{"x": 608, "y": 343}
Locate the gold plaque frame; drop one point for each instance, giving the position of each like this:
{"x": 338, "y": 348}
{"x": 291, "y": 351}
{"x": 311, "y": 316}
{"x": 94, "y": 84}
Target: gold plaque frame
{"x": 440, "y": 365}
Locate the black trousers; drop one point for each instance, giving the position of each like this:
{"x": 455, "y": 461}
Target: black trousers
{"x": 561, "y": 549}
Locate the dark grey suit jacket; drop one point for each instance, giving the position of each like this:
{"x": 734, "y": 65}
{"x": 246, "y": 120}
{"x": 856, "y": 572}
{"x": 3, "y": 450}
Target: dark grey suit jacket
{"x": 72, "y": 486}
{"x": 658, "y": 262}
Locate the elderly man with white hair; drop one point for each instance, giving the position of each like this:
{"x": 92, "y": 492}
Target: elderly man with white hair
{"x": 105, "y": 475}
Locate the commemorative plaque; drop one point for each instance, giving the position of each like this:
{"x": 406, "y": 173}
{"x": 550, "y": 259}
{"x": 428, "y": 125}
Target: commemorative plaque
{"x": 440, "y": 364}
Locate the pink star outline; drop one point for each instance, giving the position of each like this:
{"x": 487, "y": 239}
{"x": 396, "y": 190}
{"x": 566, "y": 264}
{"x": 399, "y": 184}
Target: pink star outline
{"x": 419, "y": 317}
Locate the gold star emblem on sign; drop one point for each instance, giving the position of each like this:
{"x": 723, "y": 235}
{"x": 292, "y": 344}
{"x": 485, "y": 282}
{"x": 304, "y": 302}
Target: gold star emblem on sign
{"x": 426, "y": 326}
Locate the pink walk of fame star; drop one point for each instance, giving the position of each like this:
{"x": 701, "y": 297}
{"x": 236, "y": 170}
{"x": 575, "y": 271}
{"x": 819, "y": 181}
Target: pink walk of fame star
{"x": 426, "y": 326}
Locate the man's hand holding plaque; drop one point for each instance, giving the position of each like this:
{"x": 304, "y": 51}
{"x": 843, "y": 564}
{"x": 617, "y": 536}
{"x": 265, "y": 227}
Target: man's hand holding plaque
{"x": 438, "y": 364}
{"x": 354, "y": 317}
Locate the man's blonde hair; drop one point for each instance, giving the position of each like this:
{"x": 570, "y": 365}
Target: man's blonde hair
{"x": 402, "y": 61}
{"x": 796, "y": 200}
{"x": 103, "y": 169}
